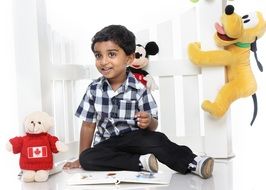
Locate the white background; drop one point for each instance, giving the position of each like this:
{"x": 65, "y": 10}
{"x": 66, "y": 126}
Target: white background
{"x": 80, "y": 19}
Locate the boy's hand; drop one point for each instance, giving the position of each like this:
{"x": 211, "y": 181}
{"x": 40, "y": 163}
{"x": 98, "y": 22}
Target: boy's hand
{"x": 143, "y": 119}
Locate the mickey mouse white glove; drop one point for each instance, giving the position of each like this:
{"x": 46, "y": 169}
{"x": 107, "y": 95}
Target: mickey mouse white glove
{"x": 151, "y": 85}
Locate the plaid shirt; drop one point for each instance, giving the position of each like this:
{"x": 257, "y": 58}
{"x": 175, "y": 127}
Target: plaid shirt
{"x": 114, "y": 111}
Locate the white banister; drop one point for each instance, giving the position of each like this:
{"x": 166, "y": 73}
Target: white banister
{"x": 190, "y": 82}
{"x": 26, "y": 46}
{"x": 54, "y": 76}
{"x": 218, "y": 141}
{"x": 167, "y": 93}
{"x": 57, "y": 95}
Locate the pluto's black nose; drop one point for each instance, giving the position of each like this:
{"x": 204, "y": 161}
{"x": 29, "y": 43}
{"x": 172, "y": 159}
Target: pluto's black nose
{"x": 229, "y": 9}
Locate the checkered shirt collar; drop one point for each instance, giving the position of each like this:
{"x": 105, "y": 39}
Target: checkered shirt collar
{"x": 130, "y": 81}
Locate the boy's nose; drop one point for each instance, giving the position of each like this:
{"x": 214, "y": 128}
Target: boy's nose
{"x": 104, "y": 61}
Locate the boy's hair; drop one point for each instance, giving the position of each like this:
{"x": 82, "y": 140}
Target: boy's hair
{"x": 118, "y": 34}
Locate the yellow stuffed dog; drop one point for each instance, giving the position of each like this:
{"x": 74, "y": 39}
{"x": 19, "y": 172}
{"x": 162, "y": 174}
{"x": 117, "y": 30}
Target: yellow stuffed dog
{"x": 238, "y": 36}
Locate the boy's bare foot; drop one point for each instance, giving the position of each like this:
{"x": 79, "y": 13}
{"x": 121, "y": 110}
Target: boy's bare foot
{"x": 72, "y": 165}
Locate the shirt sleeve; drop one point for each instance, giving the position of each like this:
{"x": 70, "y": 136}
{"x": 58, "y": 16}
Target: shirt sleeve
{"x": 86, "y": 108}
{"x": 52, "y": 141}
{"x": 148, "y": 104}
{"x": 17, "y": 143}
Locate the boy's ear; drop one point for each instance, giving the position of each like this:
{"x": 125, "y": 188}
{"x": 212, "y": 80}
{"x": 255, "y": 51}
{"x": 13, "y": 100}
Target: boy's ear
{"x": 130, "y": 58}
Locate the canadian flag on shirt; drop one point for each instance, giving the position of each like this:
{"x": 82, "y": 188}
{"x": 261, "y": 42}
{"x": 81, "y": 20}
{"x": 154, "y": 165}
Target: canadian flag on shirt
{"x": 37, "y": 152}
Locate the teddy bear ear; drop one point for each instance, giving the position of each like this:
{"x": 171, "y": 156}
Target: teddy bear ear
{"x": 26, "y": 121}
{"x": 47, "y": 120}
{"x": 152, "y": 48}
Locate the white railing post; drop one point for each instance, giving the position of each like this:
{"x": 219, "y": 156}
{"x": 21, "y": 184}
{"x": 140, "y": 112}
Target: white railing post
{"x": 44, "y": 57}
{"x": 166, "y": 83}
{"x": 56, "y": 94}
{"x": 190, "y": 82}
{"x": 217, "y": 141}
{"x": 26, "y": 58}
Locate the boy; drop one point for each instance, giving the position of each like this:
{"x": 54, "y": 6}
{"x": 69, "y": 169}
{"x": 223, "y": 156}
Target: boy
{"x": 125, "y": 115}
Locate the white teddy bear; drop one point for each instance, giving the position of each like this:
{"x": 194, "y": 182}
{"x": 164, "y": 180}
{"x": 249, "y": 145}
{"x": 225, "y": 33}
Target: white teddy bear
{"x": 36, "y": 147}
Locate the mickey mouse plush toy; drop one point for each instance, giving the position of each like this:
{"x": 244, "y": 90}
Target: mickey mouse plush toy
{"x": 141, "y": 61}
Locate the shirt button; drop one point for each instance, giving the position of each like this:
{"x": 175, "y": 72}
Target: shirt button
{"x": 114, "y": 115}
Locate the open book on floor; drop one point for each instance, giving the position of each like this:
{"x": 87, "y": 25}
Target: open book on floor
{"x": 116, "y": 177}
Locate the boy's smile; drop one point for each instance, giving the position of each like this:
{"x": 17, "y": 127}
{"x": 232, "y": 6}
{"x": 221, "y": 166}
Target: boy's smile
{"x": 111, "y": 61}
{"x": 105, "y": 71}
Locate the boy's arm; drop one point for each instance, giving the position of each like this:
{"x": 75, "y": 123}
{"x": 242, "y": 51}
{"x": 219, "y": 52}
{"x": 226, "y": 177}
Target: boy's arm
{"x": 146, "y": 121}
{"x": 146, "y": 117}
{"x": 86, "y": 135}
{"x": 86, "y": 138}
{"x": 153, "y": 125}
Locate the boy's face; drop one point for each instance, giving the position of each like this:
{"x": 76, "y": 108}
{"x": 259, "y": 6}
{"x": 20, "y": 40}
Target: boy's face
{"x": 111, "y": 60}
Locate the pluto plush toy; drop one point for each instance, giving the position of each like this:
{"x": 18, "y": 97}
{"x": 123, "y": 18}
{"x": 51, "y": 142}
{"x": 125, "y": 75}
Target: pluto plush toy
{"x": 141, "y": 61}
{"x": 237, "y": 35}
{"x": 36, "y": 147}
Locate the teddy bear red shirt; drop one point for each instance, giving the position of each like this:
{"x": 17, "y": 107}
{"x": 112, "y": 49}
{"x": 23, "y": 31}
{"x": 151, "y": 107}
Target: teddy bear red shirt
{"x": 35, "y": 150}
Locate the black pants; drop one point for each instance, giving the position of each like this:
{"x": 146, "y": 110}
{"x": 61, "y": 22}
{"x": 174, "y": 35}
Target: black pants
{"x": 123, "y": 152}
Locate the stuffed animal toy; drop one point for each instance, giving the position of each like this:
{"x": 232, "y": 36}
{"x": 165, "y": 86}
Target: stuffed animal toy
{"x": 36, "y": 147}
{"x": 141, "y": 61}
{"x": 237, "y": 35}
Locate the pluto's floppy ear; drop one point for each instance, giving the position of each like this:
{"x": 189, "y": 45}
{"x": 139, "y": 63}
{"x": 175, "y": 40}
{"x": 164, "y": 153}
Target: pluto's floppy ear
{"x": 254, "y": 50}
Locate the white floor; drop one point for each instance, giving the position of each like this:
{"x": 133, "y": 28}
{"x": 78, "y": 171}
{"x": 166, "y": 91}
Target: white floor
{"x": 228, "y": 174}
{"x": 246, "y": 171}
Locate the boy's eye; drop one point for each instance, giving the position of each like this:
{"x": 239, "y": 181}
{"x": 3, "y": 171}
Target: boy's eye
{"x": 111, "y": 54}
{"x": 97, "y": 55}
